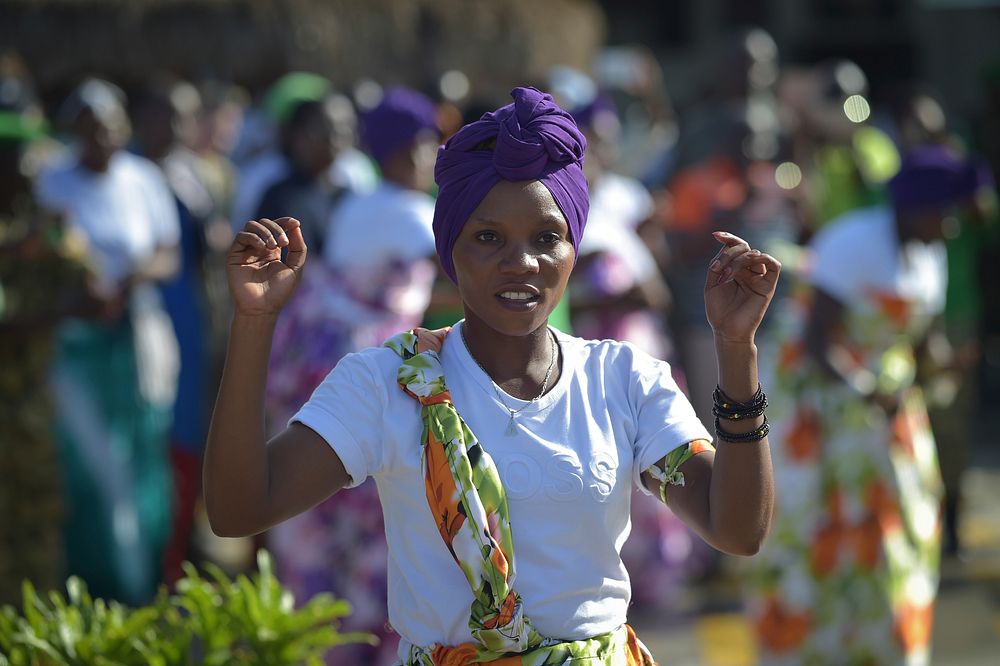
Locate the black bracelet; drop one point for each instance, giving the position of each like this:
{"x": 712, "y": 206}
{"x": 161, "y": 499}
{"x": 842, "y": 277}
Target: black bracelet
{"x": 727, "y": 408}
{"x": 754, "y": 435}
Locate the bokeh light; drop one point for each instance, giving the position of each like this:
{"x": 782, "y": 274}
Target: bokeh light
{"x": 857, "y": 109}
{"x": 788, "y": 175}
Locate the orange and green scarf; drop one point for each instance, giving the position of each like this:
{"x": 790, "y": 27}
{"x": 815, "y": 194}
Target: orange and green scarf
{"x": 469, "y": 504}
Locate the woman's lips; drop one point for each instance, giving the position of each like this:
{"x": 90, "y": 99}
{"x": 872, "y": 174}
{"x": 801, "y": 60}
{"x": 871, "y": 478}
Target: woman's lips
{"x": 517, "y": 300}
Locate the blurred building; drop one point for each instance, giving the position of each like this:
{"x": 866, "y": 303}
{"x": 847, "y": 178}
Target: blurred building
{"x": 253, "y": 42}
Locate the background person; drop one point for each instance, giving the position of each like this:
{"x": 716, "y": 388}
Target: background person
{"x": 372, "y": 279}
{"x": 114, "y": 377}
{"x": 850, "y": 572}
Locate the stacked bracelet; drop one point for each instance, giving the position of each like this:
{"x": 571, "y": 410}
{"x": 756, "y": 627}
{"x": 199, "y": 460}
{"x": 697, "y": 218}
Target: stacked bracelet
{"x": 727, "y": 408}
{"x": 731, "y": 410}
{"x": 754, "y": 435}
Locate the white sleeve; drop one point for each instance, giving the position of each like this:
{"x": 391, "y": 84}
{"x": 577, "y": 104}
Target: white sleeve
{"x": 836, "y": 258}
{"x": 346, "y": 410}
{"x": 663, "y": 415}
{"x": 412, "y": 235}
{"x": 641, "y": 203}
{"x": 162, "y": 208}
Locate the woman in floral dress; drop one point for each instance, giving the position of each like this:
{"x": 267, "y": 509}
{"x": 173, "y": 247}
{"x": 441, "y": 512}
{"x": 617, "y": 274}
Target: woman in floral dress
{"x": 375, "y": 280}
{"x": 850, "y": 570}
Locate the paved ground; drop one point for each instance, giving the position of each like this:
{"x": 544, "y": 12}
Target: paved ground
{"x": 707, "y": 629}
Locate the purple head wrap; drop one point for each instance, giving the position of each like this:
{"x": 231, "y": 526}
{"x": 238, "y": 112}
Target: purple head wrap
{"x": 600, "y": 109}
{"x": 935, "y": 177}
{"x": 535, "y": 140}
{"x": 399, "y": 117}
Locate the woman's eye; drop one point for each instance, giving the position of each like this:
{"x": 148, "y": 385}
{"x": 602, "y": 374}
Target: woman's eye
{"x": 487, "y": 236}
{"x": 549, "y": 237}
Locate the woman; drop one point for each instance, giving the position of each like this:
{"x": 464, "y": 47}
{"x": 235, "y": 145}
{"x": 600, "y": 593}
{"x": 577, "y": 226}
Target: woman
{"x": 374, "y": 280}
{"x": 851, "y": 571}
{"x": 114, "y": 377}
{"x": 570, "y": 424}
{"x": 43, "y": 278}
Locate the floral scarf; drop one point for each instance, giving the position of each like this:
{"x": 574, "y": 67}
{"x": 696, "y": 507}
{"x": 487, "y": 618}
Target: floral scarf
{"x": 469, "y": 504}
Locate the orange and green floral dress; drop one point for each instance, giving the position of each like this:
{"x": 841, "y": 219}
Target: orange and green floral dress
{"x": 850, "y": 570}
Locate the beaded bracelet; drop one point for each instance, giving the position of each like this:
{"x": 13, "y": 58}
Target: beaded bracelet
{"x": 727, "y": 408}
{"x": 754, "y": 435}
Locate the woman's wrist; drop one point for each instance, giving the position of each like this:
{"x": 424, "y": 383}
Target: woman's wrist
{"x": 255, "y": 320}
{"x": 737, "y": 368}
{"x": 734, "y": 347}
{"x": 253, "y": 328}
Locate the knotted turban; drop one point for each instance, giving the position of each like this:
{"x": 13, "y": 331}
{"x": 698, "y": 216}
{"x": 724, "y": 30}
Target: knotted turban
{"x": 535, "y": 140}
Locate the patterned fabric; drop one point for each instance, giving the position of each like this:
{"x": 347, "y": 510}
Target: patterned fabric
{"x": 339, "y": 546}
{"x": 667, "y": 471}
{"x": 467, "y": 498}
{"x": 850, "y": 571}
{"x": 43, "y": 273}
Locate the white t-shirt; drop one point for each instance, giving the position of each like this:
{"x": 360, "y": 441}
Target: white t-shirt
{"x": 859, "y": 253}
{"x": 125, "y": 213}
{"x": 373, "y": 230}
{"x": 568, "y": 472}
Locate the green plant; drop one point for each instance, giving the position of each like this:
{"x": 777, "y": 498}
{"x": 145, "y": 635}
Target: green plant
{"x": 247, "y": 621}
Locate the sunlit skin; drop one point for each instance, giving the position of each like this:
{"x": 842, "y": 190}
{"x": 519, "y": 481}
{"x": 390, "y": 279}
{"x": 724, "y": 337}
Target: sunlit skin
{"x": 517, "y": 240}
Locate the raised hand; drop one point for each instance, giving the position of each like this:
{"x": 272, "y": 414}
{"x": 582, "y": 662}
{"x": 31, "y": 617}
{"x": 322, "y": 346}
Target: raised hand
{"x": 738, "y": 288}
{"x": 259, "y": 282}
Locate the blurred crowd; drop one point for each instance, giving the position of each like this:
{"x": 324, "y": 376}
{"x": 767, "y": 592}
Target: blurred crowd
{"x": 117, "y": 210}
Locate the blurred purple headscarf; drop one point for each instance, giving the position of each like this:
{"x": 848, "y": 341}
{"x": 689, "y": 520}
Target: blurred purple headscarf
{"x": 535, "y": 140}
{"x": 400, "y": 116}
{"x": 933, "y": 176}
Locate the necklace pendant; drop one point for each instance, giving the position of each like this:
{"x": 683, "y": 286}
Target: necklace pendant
{"x": 511, "y": 427}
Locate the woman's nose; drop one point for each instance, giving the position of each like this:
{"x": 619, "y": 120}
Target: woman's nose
{"x": 519, "y": 259}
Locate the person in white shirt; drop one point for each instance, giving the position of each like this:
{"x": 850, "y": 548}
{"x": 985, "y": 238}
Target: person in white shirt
{"x": 259, "y": 156}
{"x": 544, "y": 435}
{"x": 114, "y": 378}
{"x": 374, "y": 279}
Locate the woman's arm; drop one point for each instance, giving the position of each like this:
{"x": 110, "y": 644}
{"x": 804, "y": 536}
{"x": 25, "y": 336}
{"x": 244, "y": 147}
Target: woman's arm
{"x": 728, "y": 495}
{"x": 251, "y": 484}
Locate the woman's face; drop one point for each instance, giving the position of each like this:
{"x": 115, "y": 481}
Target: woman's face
{"x": 513, "y": 258}
{"x": 101, "y": 136}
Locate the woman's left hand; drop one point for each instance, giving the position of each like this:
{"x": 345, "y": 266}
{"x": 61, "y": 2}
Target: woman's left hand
{"x": 738, "y": 289}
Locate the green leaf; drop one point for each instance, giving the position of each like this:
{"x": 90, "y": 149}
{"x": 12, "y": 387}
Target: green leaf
{"x": 215, "y": 621}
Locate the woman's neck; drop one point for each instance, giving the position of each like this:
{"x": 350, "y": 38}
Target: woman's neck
{"x": 518, "y": 364}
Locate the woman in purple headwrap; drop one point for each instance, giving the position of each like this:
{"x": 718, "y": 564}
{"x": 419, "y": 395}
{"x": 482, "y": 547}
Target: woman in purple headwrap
{"x": 851, "y": 571}
{"x": 504, "y": 452}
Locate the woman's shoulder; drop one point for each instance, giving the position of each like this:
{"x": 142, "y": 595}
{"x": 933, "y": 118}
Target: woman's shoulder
{"x": 609, "y": 354}
{"x": 381, "y": 361}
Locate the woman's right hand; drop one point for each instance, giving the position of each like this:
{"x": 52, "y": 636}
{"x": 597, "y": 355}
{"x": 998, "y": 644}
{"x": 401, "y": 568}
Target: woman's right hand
{"x": 259, "y": 282}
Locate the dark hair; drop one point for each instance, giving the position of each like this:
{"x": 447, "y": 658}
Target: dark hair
{"x": 304, "y": 112}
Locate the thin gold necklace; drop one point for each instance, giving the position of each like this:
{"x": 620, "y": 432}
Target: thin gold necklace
{"x": 511, "y": 427}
